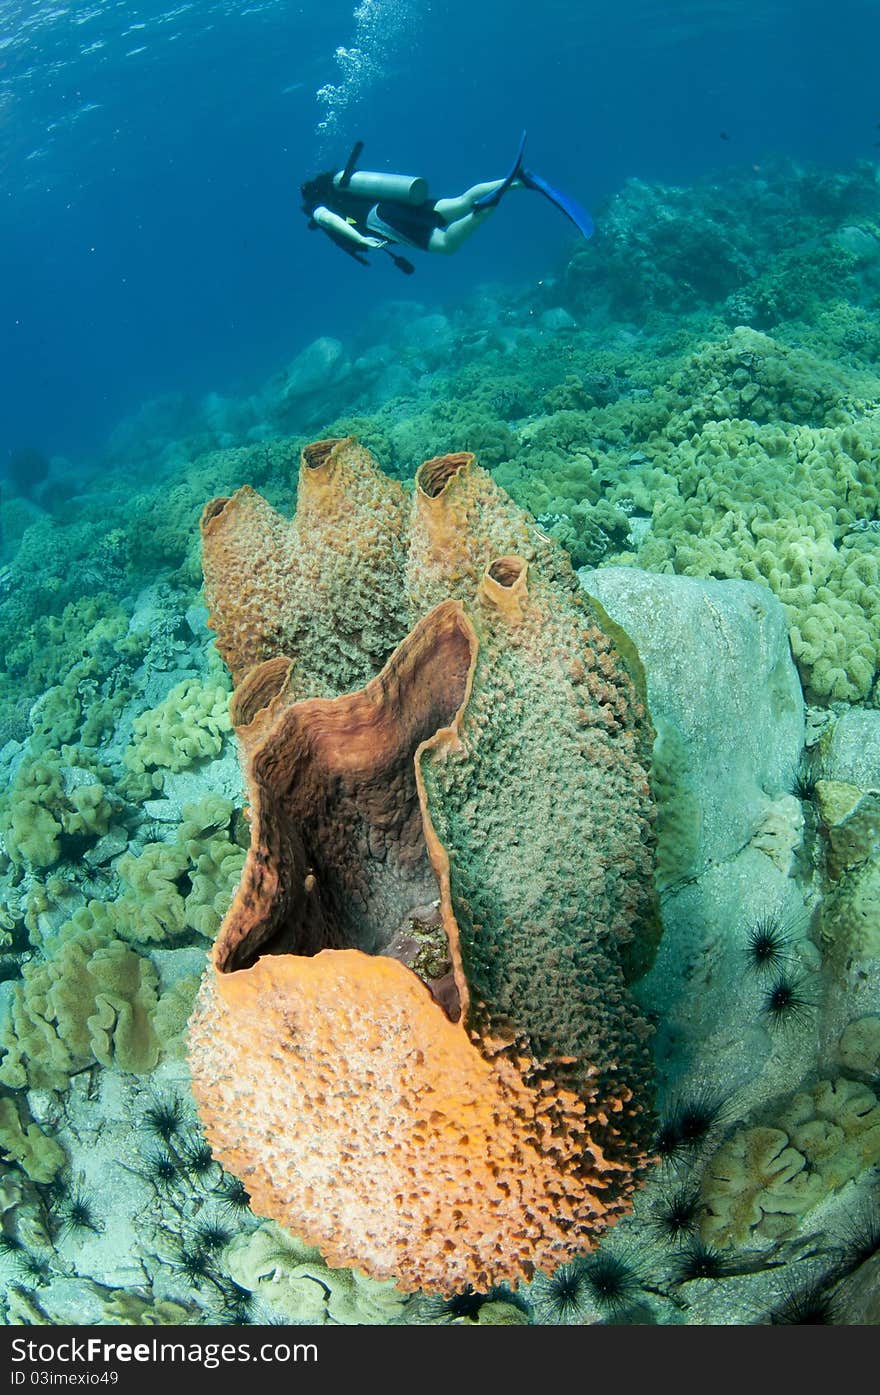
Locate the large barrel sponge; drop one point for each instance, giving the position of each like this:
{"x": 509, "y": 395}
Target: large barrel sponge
{"x": 415, "y": 1044}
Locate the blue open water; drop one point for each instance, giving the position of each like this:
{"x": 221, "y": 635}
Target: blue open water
{"x": 151, "y": 153}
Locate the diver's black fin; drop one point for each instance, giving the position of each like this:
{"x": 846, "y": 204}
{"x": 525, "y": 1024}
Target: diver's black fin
{"x": 351, "y": 164}
{"x": 490, "y": 200}
{"x": 400, "y": 262}
{"x": 569, "y": 206}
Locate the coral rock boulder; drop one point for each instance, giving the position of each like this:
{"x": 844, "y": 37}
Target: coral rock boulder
{"x": 415, "y": 1044}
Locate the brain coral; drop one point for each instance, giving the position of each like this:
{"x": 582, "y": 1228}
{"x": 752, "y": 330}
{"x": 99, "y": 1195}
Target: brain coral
{"x": 416, "y": 1045}
{"x": 762, "y": 1179}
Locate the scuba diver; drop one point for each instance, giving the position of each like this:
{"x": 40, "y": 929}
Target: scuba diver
{"x": 362, "y": 211}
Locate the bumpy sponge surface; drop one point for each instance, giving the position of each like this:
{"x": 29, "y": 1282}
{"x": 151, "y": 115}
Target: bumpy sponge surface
{"x": 417, "y": 1046}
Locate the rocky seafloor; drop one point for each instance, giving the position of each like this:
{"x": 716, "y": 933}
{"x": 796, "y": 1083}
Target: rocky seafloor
{"x": 691, "y": 406}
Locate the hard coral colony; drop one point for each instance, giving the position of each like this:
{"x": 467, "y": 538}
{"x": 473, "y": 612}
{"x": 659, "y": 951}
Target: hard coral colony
{"x": 416, "y": 1045}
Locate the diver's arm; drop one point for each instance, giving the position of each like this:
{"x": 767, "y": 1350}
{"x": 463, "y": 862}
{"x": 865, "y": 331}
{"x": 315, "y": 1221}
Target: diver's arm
{"x": 332, "y": 222}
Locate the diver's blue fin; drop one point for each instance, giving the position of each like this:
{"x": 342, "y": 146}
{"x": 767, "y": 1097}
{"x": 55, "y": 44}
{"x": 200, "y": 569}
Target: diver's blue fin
{"x": 490, "y": 200}
{"x": 579, "y": 216}
{"x": 569, "y": 206}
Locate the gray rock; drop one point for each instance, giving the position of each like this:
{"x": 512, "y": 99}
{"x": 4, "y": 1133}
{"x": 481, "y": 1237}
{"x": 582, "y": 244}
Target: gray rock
{"x": 859, "y": 241}
{"x": 724, "y": 695}
{"x": 708, "y": 1008}
{"x": 726, "y": 703}
{"x": 113, "y": 844}
{"x": 174, "y": 964}
{"x": 162, "y": 810}
{"x": 77, "y": 777}
{"x": 66, "y": 1302}
{"x": 197, "y": 619}
{"x": 430, "y": 332}
{"x": 7, "y": 991}
{"x": 373, "y": 362}
{"x": 851, "y": 750}
{"x": 159, "y": 683}
{"x": 321, "y": 365}
{"x": 220, "y": 776}
{"x": 396, "y": 381}
{"x": 861, "y": 1295}
{"x": 556, "y": 318}
{"x": 11, "y": 755}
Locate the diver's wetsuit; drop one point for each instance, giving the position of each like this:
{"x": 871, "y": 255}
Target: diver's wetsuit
{"x": 379, "y": 222}
{"x": 410, "y": 223}
{"x": 394, "y": 222}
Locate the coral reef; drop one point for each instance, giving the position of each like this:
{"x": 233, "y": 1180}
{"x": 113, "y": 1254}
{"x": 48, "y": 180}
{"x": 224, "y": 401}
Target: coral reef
{"x": 172, "y": 888}
{"x": 763, "y": 1179}
{"x": 92, "y": 1000}
{"x": 57, "y": 800}
{"x": 295, "y": 1284}
{"x": 693, "y": 399}
{"x": 186, "y": 727}
{"x": 405, "y": 869}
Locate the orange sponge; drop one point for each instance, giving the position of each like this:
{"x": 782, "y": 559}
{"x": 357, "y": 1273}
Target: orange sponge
{"x": 416, "y": 1044}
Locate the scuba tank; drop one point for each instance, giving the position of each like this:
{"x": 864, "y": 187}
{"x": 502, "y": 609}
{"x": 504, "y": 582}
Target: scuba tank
{"x": 396, "y": 188}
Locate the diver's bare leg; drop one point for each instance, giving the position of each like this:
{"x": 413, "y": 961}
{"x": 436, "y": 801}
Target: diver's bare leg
{"x": 450, "y": 238}
{"x": 453, "y": 209}
{"x": 462, "y": 218}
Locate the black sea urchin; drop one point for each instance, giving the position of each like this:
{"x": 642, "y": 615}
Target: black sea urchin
{"x": 676, "y": 1214}
{"x": 688, "y": 1123}
{"x": 811, "y": 1304}
{"x": 164, "y": 1117}
{"x": 699, "y": 1261}
{"x": 562, "y": 1297}
{"x": 786, "y": 1003}
{"x": 613, "y": 1283}
{"x": 767, "y": 942}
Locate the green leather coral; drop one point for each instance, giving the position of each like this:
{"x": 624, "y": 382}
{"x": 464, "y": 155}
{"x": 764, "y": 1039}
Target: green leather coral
{"x": 172, "y": 1015}
{"x": 836, "y": 1125}
{"x": 756, "y": 1182}
{"x": 188, "y": 726}
{"x": 789, "y": 508}
{"x": 92, "y": 1001}
{"x": 152, "y": 908}
{"x": 35, "y": 1152}
{"x": 126, "y": 1309}
{"x": 851, "y": 909}
{"x": 172, "y": 888}
{"x": 298, "y": 1285}
{"x": 55, "y": 798}
{"x": 851, "y": 914}
{"x": 859, "y": 1047}
{"x": 763, "y": 1179}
